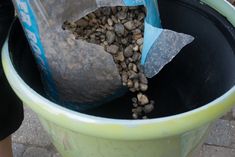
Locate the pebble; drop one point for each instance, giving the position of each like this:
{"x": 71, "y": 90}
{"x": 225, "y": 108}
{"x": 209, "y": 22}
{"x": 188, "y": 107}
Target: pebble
{"x": 145, "y": 117}
{"x": 133, "y": 75}
{"x": 143, "y": 87}
{"x": 120, "y": 57}
{"x": 81, "y": 23}
{"x": 123, "y": 65}
{"x": 142, "y": 99}
{"x": 121, "y": 15}
{"x": 136, "y": 85}
{"x": 135, "y": 115}
{"x": 139, "y": 110}
{"x": 128, "y": 52}
{"x": 114, "y": 19}
{"x": 141, "y": 16}
{"x": 143, "y": 78}
{"x": 132, "y": 90}
{"x": 134, "y": 68}
{"x": 91, "y": 16}
{"x": 106, "y": 11}
{"x": 137, "y": 37}
{"x": 110, "y": 36}
{"x": 135, "y": 57}
{"x": 148, "y": 108}
{"x": 124, "y": 78}
{"x": 130, "y": 83}
{"x": 135, "y": 105}
{"x": 124, "y": 41}
{"x": 130, "y": 66}
{"x": 134, "y": 100}
{"x": 129, "y": 25}
{"x": 110, "y": 22}
{"x": 136, "y": 31}
{"x": 119, "y": 29}
{"x": 113, "y": 49}
{"x": 140, "y": 41}
{"x": 136, "y": 48}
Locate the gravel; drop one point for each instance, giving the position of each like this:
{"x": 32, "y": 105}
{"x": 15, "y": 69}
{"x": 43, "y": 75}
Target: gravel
{"x": 120, "y": 31}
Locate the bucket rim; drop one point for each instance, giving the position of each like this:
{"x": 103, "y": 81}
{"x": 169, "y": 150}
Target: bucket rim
{"x": 114, "y": 128}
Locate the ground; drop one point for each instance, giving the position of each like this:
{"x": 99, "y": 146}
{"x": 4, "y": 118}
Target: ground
{"x": 32, "y": 141}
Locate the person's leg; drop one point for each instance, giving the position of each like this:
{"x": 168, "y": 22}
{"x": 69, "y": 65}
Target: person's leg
{"x": 5, "y": 147}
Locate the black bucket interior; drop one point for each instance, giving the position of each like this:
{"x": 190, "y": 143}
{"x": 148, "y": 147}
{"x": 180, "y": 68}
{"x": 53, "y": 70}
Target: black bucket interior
{"x": 202, "y": 72}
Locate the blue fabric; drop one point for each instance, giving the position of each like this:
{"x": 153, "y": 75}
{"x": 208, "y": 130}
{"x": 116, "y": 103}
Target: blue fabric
{"x": 133, "y": 2}
{"x": 152, "y": 27}
{"x": 151, "y": 34}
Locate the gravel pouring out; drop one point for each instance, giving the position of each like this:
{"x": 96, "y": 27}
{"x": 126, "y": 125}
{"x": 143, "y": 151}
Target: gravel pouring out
{"x": 120, "y": 31}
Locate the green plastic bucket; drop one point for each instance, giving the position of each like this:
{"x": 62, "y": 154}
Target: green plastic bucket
{"x": 205, "y": 66}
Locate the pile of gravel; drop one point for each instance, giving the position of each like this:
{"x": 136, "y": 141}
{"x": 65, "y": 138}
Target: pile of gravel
{"x": 120, "y": 31}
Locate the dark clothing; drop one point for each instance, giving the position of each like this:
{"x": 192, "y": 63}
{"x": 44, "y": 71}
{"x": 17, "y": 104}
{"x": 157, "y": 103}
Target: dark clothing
{"x": 11, "y": 109}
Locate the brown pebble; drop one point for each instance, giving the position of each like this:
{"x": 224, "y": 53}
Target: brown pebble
{"x": 134, "y": 100}
{"x": 136, "y": 31}
{"x": 128, "y": 52}
{"x": 129, "y": 25}
{"x": 132, "y": 90}
{"x": 110, "y": 21}
{"x": 143, "y": 87}
{"x": 135, "y": 104}
{"x": 113, "y": 49}
{"x": 139, "y": 110}
{"x": 86, "y": 18}
{"x": 140, "y": 41}
{"x": 114, "y": 19}
{"x": 143, "y": 78}
{"x": 130, "y": 83}
{"x": 124, "y": 41}
{"x": 134, "y": 68}
{"x": 106, "y": 11}
{"x": 130, "y": 59}
{"x": 110, "y": 36}
{"x": 91, "y": 16}
{"x": 136, "y": 85}
{"x": 120, "y": 57}
{"x": 119, "y": 29}
{"x": 137, "y": 36}
{"x": 130, "y": 66}
{"x": 148, "y": 108}
{"x": 81, "y": 23}
{"x": 142, "y": 99}
{"x": 135, "y": 116}
{"x": 114, "y": 10}
{"x": 121, "y": 15}
{"x": 124, "y": 77}
{"x": 123, "y": 64}
{"x": 145, "y": 117}
{"x": 135, "y": 56}
{"x": 136, "y": 48}
{"x": 141, "y": 16}
{"x": 133, "y": 75}
{"x": 105, "y": 43}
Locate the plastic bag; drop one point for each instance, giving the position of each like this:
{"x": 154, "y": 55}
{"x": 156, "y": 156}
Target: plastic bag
{"x": 75, "y": 73}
